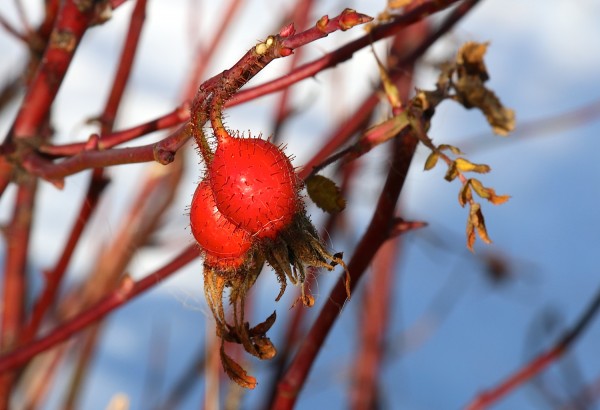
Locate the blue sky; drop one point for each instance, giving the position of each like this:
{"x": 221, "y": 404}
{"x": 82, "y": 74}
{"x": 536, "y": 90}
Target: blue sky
{"x": 544, "y": 60}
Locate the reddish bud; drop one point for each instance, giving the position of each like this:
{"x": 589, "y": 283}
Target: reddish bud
{"x": 322, "y": 23}
{"x": 350, "y": 18}
{"x": 285, "y": 51}
{"x": 288, "y": 30}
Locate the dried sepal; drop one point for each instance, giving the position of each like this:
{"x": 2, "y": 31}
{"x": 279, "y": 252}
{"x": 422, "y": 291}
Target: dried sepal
{"x": 325, "y": 194}
{"x": 263, "y": 327}
{"x": 464, "y": 165}
{"x": 235, "y": 371}
{"x": 431, "y": 161}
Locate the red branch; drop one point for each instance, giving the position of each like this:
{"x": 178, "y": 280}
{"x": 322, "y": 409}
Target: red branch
{"x": 205, "y": 57}
{"x": 177, "y": 116}
{"x": 162, "y": 152}
{"x": 54, "y": 276}
{"x": 374, "y": 323}
{"x": 142, "y": 154}
{"x": 377, "y": 233}
{"x": 72, "y": 22}
{"x": 343, "y": 53}
{"x": 125, "y": 64}
{"x": 98, "y": 181}
{"x": 117, "y": 298}
{"x": 15, "y": 286}
{"x": 538, "y": 364}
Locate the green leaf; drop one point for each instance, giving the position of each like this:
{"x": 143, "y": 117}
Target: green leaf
{"x": 325, "y": 194}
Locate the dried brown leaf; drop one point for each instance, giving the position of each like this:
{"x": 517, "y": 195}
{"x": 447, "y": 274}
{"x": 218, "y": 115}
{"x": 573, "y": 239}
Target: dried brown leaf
{"x": 470, "y": 59}
{"x": 478, "y": 221}
{"x": 452, "y": 172}
{"x": 325, "y": 194}
{"x": 472, "y": 93}
{"x": 465, "y": 195}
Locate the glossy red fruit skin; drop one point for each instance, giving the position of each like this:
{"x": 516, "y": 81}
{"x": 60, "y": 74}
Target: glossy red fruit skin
{"x": 255, "y": 185}
{"x": 224, "y": 244}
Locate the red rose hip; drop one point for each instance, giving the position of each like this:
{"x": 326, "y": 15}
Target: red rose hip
{"x": 254, "y": 185}
{"x": 224, "y": 244}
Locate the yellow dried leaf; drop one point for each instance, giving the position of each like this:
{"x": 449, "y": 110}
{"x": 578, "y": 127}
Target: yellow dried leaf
{"x": 431, "y": 160}
{"x": 479, "y": 188}
{"x": 465, "y": 165}
{"x": 488, "y": 193}
{"x": 325, "y": 194}
{"x": 498, "y": 199}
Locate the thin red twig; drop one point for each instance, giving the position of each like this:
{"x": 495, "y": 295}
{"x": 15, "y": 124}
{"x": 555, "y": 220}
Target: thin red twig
{"x": 175, "y": 117}
{"x": 162, "y": 152}
{"x": 205, "y": 57}
{"x": 117, "y": 298}
{"x": 374, "y": 317}
{"x": 343, "y": 53}
{"x": 54, "y": 276}
{"x": 14, "y": 281}
{"x": 538, "y": 364}
{"x": 72, "y": 22}
{"x": 12, "y": 30}
{"x": 125, "y": 64}
{"x": 300, "y": 18}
